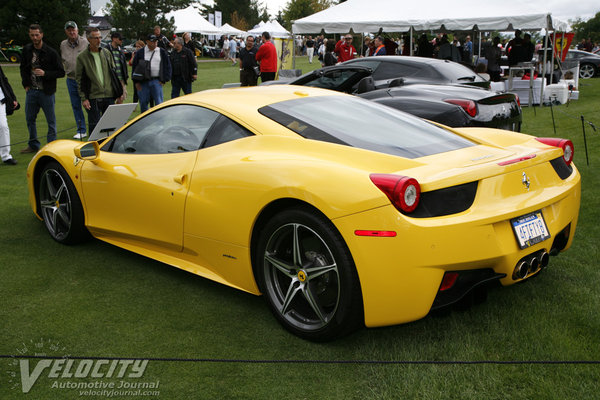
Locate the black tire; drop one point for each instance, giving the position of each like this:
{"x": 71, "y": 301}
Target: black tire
{"x": 60, "y": 206}
{"x": 14, "y": 58}
{"x": 308, "y": 277}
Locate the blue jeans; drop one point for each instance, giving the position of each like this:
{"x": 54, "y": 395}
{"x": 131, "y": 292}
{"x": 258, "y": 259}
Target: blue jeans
{"x": 34, "y": 100}
{"x": 177, "y": 84}
{"x": 76, "y": 105}
{"x": 150, "y": 89}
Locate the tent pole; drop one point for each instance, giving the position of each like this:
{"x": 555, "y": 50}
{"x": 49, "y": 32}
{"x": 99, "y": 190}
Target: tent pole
{"x": 293, "y": 49}
{"x": 544, "y": 68}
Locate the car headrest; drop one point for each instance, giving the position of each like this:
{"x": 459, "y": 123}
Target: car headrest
{"x": 366, "y": 84}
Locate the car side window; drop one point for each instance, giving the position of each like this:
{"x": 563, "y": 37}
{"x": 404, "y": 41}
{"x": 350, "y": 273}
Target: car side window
{"x": 171, "y": 129}
{"x": 390, "y": 70}
{"x": 225, "y": 130}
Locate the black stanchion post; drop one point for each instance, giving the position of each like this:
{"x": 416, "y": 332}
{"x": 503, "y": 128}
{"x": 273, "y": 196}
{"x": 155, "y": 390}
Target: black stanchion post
{"x": 552, "y": 112}
{"x": 587, "y": 160}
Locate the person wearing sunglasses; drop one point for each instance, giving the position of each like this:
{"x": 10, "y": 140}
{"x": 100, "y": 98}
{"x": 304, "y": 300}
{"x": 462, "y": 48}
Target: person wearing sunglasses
{"x": 344, "y": 49}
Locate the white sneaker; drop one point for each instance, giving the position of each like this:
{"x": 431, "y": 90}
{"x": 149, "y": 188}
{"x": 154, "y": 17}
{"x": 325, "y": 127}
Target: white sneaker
{"x": 80, "y": 136}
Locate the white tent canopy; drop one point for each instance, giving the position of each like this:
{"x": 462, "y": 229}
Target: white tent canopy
{"x": 273, "y": 27}
{"x": 190, "y": 20}
{"x": 230, "y": 30}
{"x": 433, "y": 15}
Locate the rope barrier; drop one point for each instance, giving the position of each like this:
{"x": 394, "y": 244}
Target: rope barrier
{"x": 300, "y": 361}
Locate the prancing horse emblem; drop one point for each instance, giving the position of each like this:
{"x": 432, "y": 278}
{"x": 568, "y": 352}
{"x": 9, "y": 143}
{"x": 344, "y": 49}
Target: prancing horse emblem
{"x": 525, "y": 181}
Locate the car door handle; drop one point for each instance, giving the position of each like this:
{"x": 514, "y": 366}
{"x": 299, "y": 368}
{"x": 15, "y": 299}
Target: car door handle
{"x": 180, "y": 178}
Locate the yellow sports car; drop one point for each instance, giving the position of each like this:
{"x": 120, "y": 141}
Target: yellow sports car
{"x": 340, "y": 211}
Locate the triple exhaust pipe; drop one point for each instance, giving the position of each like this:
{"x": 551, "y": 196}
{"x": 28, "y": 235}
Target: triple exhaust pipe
{"x": 530, "y": 264}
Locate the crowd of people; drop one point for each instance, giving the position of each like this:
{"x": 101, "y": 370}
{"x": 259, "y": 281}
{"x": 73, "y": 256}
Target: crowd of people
{"x": 97, "y": 76}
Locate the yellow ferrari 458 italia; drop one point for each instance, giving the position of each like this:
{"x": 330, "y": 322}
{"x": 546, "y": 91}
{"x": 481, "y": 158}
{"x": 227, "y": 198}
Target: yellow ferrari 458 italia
{"x": 340, "y": 211}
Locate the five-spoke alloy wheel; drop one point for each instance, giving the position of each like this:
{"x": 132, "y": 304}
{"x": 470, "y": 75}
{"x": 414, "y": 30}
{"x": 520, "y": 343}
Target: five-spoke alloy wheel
{"x": 307, "y": 275}
{"x": 60, "y": 207}
{"x": 587, "y": 71}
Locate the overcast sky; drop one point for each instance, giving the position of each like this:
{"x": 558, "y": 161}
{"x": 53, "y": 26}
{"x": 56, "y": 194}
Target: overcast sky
{"x": 560, "y": 9}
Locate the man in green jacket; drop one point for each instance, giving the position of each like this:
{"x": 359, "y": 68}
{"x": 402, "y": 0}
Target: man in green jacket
{"x": 92, "y": 73}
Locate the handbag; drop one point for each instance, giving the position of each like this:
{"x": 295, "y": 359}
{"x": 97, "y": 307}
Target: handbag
{"x": 115, "y": 82}
{"x": 142, "y": 70}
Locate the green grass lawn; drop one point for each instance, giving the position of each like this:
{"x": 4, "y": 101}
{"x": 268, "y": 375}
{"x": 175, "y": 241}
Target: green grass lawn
{"x": 98, "y": 300}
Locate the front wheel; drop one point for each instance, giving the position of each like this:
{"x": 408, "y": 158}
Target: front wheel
{"x": 587, "y": 71}
{"x": 308, "y": 277}
{"x": 60, "y": 206}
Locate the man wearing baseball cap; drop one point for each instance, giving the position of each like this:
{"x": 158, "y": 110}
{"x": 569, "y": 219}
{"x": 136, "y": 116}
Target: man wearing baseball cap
{"x": 149, "y": 82}
{"x": 116, "y": 40}
{"x": 69, "y": 50}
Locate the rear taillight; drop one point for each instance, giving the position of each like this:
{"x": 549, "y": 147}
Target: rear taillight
{"x": 404, "y": 192}
{"x": 565, "y": 144}
{"x": 518, "y": 99}
{"x": 468, "y": 105}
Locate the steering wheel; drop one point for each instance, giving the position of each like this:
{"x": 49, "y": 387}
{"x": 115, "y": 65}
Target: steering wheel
{"x": 175, "y": 134}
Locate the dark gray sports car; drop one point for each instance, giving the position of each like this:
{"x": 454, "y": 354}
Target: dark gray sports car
{"x": 454, "y": 105}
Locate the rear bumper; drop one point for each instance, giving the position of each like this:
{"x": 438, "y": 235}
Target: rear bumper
{"x": 400, "y": 276}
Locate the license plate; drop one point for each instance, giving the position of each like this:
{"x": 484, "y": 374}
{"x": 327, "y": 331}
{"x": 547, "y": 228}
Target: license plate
{"x": 530, "y": 229}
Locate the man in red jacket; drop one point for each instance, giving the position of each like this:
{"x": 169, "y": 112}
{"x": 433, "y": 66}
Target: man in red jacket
{"x": 267, "y": 57}
{"x": 344, "y": 49}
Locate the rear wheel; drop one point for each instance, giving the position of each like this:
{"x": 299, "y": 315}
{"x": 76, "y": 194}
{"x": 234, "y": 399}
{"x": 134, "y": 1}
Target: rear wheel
{"x": 587, "y": 71}
{"x": 60, "y": 206}
{"x": 14, "y": 58}
{"x": 307, "y": 275}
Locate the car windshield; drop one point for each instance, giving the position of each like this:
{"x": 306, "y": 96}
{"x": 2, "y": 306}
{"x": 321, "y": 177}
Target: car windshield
{"x": 363, "y": 124}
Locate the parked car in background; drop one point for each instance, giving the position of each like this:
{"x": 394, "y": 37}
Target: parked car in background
{"x": 419, "y": 70}
{"x": 450, "y": 104}
{"x": 589, "y": 63}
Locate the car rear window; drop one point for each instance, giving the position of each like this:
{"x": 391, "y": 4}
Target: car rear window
{"x": 363, "y": 124}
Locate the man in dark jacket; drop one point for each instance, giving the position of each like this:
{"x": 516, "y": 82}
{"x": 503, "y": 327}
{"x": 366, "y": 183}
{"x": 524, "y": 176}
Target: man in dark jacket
{"x": 185, "y": 68}
{"x": 40, "y": 67}
{"x": 8, "y": 103}
{"x": 159, "y": 72}
{"x": 116, "y": 40}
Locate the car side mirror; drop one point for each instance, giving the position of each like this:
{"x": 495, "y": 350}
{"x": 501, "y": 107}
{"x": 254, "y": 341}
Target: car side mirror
{"x": 87, "y": 151}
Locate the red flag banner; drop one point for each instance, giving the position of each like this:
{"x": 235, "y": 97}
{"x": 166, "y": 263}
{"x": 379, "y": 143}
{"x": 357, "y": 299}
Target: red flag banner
{"x": 563, "y": 42}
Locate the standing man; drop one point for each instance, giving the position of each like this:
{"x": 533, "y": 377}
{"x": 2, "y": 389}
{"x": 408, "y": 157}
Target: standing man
{"x": 185, "y": 68}
{"x": 161, "y": 39}
{"x": 310, "y": 49}
{"x": 40, "y": 67}
{"x": 468, "y": 50}
{"x": 267, "y": 57}
{"x": 189, "y": 43}
{"x": 233, "y": 49}
{"x": 344, "y": 49}
{"x": 160, "y": 72}
{"x": 379, "y": 47}
{"x": 248, "y": 65}
{"x": 69, "y": 50}
{"x": 93, "y": 78}
{"x": 116, "y": 40}
{"x": 8, "y": 104}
